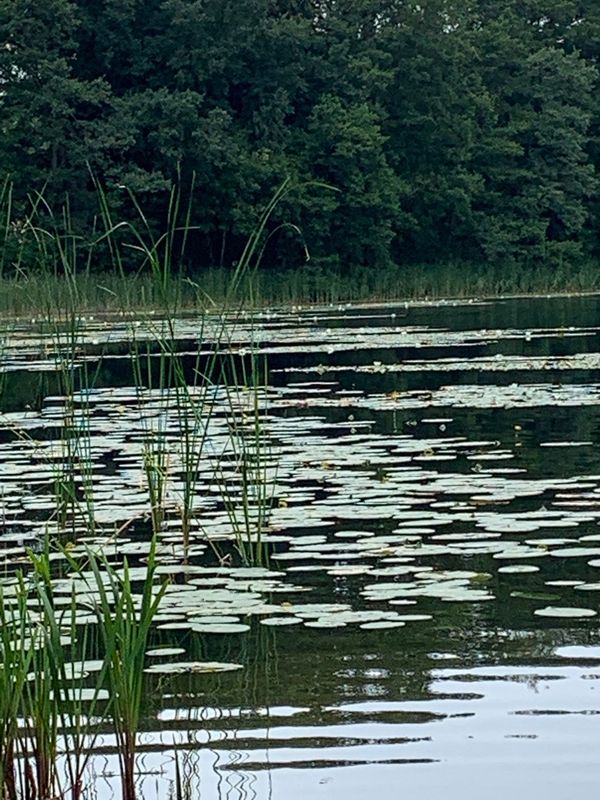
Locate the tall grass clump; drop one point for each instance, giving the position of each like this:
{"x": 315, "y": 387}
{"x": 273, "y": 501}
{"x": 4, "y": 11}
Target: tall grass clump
{"x": 189, "y": 398}
{"x": 74, "y": 478}
{"x": 54, "y": 700}
{"x": 65, "y": 709}
{"x": 49, "y": 720}
{"x": 124, "y": 627}
{"x": 246, "y": 475}
{"x": 161, "y": 256}
{"x": 15, "y": 663}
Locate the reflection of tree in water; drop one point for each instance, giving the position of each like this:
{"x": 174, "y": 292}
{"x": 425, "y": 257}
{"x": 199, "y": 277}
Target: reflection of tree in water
{"x": 26, "y": 389}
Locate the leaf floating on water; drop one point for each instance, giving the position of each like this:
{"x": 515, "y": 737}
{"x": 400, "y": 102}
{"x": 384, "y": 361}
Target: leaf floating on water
{"x": 165, "y": 651}
{"x": 573, "y": 613}
{"x": 550, "y": 542}
{"x": 534, "y": 595}
{"x": 518, "y": 569}
{"x": 481, "y": 577}
{"x": 522, "y": 552}
{"x": 382, "y": 625}
{"x": 564, "y": 583}
{"x": 324, "y": 623}
{"x": 226, "y": 627}
{"x": 181, "y": 667}
{"x": 213, "y": 619}
{"x": 575, "y": 552}
{"x": 280, "y": 621}
{"x": 467, "y": 597}
{"x": 174, "y": 626}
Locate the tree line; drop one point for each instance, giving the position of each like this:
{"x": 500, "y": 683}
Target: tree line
{"x": 412, "y": 131}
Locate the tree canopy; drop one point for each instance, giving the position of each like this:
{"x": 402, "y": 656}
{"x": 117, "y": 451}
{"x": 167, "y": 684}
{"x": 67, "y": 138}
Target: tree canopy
{"x": 448, "y": 129}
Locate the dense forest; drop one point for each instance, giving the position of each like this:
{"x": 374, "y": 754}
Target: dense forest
{"x": 462, "y": 130}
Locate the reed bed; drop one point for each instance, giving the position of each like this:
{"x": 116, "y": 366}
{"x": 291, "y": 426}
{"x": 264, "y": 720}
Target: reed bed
{"x": 57, "y": 694}
{"x": 28, "y": 293}
{"x": 65, "y": 682}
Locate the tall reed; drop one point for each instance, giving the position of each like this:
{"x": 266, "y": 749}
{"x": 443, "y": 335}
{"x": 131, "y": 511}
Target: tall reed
{"x": 60, "y": 250}
{"x": 50, "y": 716}
{"x": 16, "y": 656}
{"x": 76, "y": 708}
{"x": 247, "y": 494}
{"x": 155, "y": 454}
{"x": 124, "y": 630}
{"x": 48, "y": 722}
{"x": 192, "y": 405}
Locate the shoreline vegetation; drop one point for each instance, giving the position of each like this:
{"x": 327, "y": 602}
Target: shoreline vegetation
{"x": 411, "y": 133}
{"x": 32, "y": 294}
{"x": 129, "y": 264}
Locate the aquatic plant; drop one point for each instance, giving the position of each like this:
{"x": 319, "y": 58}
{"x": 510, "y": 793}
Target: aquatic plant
{"x": 15, "y": 663}
{"x": 155, "y": 453}
{"x": 45, "y": 714}
{"x": 71, "y": 710}
{"x": 124, "y": 625}
{"x": 246, "y": 474}
{"x": 195, "y": 398}
{"x": 74, "y": 481}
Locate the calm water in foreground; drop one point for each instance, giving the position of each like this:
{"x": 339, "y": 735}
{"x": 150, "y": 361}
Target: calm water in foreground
{"x": 435, "y": 553}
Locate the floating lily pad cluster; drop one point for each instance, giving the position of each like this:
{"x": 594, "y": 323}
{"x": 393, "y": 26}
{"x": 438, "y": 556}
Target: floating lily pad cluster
{"x": 408, "y": 519}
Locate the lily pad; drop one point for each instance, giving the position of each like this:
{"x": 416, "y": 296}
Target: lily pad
{"x": 382, "y": 625}
{"x": 518, "y": 569}
{"x": 226, "y": 627}
{"x": 165, "y": 651}
{"x": 565, "y": 613}
{"x": 181, "y": 667}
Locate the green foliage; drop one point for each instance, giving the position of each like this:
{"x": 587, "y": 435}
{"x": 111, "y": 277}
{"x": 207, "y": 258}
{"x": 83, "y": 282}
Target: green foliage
{"x": 124, "y": 629}
{"x": 453, "y": 131}
{"x": 537, "y": 175}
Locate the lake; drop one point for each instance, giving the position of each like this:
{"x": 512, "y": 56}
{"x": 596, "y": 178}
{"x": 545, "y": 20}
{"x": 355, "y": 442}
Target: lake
{"x": 420, "y": 616}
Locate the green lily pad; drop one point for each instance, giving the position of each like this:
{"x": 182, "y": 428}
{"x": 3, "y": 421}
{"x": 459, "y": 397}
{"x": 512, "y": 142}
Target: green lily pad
{"x": 181, "y": 667}
{"x": 533, "y": 595}
{"x": 518, "y": 569}
{"x": 566, "y": 613}
{"x": 382, "y": 625}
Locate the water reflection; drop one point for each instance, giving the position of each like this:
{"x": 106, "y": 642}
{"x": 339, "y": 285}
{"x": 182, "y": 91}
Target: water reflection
{"x": 510, "y": 726}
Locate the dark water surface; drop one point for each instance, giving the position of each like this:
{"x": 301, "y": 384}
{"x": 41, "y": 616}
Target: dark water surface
{"x": 460, "y": 439}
